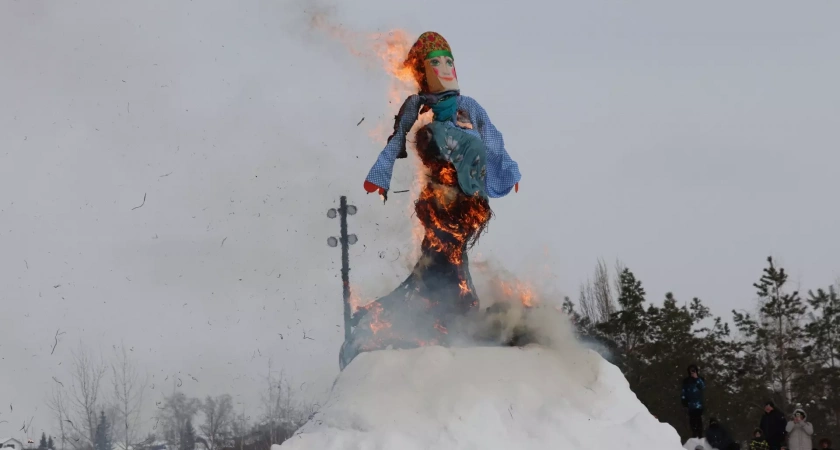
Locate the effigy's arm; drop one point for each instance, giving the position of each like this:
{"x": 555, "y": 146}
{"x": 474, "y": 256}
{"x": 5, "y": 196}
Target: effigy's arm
{"x": 502, "y": 171}
{"x": 380, "y": 173}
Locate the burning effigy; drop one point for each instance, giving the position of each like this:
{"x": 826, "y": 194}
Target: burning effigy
{"x": 465, "y": 164}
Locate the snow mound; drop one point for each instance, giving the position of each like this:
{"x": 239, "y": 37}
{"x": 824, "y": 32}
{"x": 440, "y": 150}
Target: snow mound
{"x": 482, "y": 398}
{"x": 692, "y": 444}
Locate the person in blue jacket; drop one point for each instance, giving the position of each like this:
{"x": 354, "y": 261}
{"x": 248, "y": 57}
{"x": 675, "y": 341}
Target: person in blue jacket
{"x": 694, "y": 399}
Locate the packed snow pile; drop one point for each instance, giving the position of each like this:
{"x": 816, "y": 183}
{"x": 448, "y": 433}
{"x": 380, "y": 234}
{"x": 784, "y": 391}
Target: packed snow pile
{"x": 694, "y": 443}
{"x": 531, "y": 397}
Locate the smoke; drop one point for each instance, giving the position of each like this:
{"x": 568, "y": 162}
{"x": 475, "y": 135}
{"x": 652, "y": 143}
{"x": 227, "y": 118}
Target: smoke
{"x": 521, "y": 312}
{"x": 327, "y": 30}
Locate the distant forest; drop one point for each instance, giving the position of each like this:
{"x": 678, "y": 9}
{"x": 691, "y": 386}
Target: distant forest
{"x": 787, "y": 350}
{"x": 101, "y": 409}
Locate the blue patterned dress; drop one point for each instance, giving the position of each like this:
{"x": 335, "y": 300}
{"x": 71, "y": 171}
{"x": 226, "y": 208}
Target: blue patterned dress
{"x": 502, "y": 172}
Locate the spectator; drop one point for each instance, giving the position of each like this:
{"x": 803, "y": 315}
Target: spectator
{"x": 773, "y": 425}
{"x": 718, "y": 437}
{"x": 799, "y": 431}
{"x": 758, "y": 442}
{"x": 825, "y": 444}
{"x": 693, "y": 398}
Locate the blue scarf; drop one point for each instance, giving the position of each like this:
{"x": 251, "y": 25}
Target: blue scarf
{"x": 445, "y": 109}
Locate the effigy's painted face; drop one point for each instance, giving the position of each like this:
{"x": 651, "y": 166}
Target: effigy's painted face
{"x": 440, "y": 74}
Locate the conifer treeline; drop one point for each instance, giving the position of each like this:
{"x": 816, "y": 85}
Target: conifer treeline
{"x": 787, "y": 351}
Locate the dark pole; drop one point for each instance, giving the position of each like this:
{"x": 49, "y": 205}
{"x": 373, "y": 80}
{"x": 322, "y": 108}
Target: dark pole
{"x": 345, "y": 266}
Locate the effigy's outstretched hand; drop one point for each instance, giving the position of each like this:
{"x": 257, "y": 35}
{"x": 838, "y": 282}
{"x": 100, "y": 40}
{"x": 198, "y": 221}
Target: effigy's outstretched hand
{"x": 370, "y": 188}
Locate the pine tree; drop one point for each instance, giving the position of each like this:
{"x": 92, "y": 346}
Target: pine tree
{"x": 42, "y": 445}
{"x": 785, "y": 354}
{"x": 628, "y": 326}
{"x": 730, "y": 396}
{"x": 102, "y": 440}
{"x": 820, "y": 380}
{"x": 824, "y": 331}
{"x": 50, "y": 443}
{"x": 582, "y": 324}
{"x": 187, "y": 436}
{"x": 776, "y": 337}
{"x": 669, "y": 348}
{"x": 625, "y": 333}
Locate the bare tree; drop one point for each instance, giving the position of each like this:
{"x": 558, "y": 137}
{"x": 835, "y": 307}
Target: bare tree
{"x": 602, "y": 292}
{"x": 239, "y": 428}
{"x": 78, "y": 407}
{"x": 177, "y": 409}
{"x": 269, "y": 403}
{"x": 218, "y": 419}
{"x": 587, "y": 302}
{"x": 57, "y": 404}
{"x": 128, "y": 398}
{"x": 112, "y": 418}
{"x": 283, "y": 412}
{"x": 619, "y": 268}
{"x": 596, "y": 296}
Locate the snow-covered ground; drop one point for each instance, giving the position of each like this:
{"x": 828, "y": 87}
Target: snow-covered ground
{"x": 483, "y": 398}
{"x": 692, "y": 444}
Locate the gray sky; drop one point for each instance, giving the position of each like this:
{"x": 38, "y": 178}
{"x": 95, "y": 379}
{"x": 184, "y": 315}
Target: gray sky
{"x": 689, "y": 140}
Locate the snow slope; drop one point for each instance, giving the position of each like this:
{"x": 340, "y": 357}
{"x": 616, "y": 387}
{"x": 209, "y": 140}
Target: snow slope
{"x": 483, "y": 398}
{"x": 692, "y": 444}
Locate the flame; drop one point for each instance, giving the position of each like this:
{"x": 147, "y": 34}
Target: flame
{"x": 376, "y": 322}
{"x": 420, "y": 177}
{"x": 354, "y": 300}
{"x": 387, "y": 50}
{"x": 374, "y": 308}
{"x": 442, "y": 329}
{"x": 441, "y": 209}
{"x": 392, "y": 49}
{"x": 527, "y": 298}
{"x": 464, "y": 288}
{"x": 520, "y": 291}
{"x": 380, "y": 132}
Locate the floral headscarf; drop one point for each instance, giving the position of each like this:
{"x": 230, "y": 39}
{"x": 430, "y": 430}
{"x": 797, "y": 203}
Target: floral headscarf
{"x": 428, "y": 45}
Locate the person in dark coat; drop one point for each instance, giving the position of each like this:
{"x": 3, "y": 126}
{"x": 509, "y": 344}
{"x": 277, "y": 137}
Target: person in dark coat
{"x": 825, "y": 444}
{"x": 773, "y": 425}
{"x": 718, "y": 437}
{"x": 693, "y": 397}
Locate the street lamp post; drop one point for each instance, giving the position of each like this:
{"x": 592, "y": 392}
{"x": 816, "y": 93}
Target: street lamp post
{"x": 346, "y": 241}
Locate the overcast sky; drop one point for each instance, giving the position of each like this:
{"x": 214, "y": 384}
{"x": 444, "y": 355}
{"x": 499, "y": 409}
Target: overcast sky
{"x": 166, "y": 167}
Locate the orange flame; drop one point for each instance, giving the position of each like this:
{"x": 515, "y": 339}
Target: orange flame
{"x": 354, "y": 300}
{"x": 374, "y": 308}
{"x": 520, "y": 291}
{"x": 464, "y": 288}
{"x": 442, "y": 329}
{"x": 392, "y": 50}
{"x": 388, "y": 50}
{"x": 462, "y": 217}
{"x": 377, "y": 324}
